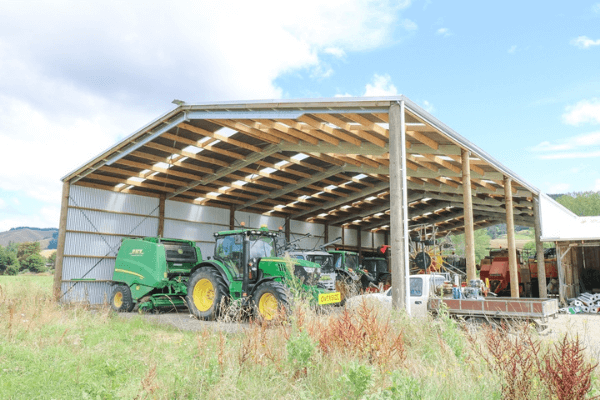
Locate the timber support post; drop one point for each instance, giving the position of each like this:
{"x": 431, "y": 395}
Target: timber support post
{"x": 539, "y": 248}
{"x": 62, "y": 236}
{"x": 468, "y": 215}
{"x": 161, "y": 215}
{"x": 398, "y": 207}
{"x": 231, "y": 218}
{"x": 510, "y": 236}
{"x": 359, "y": 242}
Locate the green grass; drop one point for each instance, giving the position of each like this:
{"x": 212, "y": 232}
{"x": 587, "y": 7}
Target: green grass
{"x": 61, "y": 352}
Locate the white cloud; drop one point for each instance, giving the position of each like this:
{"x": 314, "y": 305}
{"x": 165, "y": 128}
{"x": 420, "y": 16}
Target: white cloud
{"x": 2, "y": 204}
{"x": 512, "y": 49}
{"x": 335, "y": 51}
{"x": 443, "y": 32}
{"x": 584, "y": 42}
{"x": 409, "y": 25}
{"x": 381, "y": 86}
{"x": 571, "y": 155}
{"x": 72, "y": 84}
{"x": 580, "y": 146}
{"x": 585, "y": 111}
{"x": 428, "y": 107}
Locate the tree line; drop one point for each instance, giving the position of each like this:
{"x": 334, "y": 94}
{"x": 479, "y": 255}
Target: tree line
{"x": 23, "y": 257}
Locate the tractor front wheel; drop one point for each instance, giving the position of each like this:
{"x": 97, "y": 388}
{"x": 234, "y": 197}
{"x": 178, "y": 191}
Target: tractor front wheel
{"x": 121, "y": 300}
{"x": 270, "y": 300}
{"x": 207, "y": 292}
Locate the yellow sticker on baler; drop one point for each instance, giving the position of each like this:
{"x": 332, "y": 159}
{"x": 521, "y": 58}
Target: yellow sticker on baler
{"x": 328, "y": 298}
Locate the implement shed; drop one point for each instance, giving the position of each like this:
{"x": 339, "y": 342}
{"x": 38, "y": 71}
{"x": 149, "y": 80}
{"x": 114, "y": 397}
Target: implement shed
{"x": 368, "y": 169}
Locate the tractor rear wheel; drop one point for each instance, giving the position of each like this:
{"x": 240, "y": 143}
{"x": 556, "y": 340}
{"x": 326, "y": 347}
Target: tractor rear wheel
{"x": 207, "y": 293}
{"x": 270, "y": 300}
{"x": 121, "y": 300}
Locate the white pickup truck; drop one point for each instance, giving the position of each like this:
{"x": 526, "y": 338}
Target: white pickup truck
{"x": 423, "y": 299}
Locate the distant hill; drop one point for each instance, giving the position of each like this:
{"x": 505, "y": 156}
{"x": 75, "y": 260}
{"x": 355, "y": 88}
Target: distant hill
{"x": 47, "y": 237}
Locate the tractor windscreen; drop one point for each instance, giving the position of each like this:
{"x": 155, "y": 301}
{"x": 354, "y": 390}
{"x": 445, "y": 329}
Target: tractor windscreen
{"x": 262, "y": 246}
{"x": 376, "y": 266}
{"x": 325, "y": 261}
{"x": 352, "y": 261}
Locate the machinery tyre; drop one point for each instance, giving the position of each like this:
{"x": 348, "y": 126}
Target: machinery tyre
{"x": 207, "y": 292}
{"x": 271, "y": 299}
{"x": 121, "y": 300}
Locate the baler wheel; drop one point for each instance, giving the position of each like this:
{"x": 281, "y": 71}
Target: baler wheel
{"x": 271, "y": 299}
{"x": 121, "y": 300}
{"x": 207, "y": 292}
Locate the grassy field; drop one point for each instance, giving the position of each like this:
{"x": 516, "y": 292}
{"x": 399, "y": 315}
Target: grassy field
{"x": 50, "y": 351}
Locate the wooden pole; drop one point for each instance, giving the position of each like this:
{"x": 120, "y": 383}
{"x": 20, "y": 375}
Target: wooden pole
{"x": 161, "y": 215}
{"x": 539, "y": 248}
{"x": 468, "y": 215}
{"x": 359, "y": 242}
{"x": 288, "y": 229}
{"x": 62, "y": 235}
{"x": 398, "y": 208}
{"x": 326, "y": 233}
{"x": 231, "y": 218}
{"x": 510, "y": 235}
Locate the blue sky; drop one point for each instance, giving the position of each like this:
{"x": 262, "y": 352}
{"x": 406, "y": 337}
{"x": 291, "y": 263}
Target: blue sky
{"x": 519, "y": 79}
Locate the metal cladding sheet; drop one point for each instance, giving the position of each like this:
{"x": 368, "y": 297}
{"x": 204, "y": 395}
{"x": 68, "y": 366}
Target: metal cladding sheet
{"x": 207, "y": 249}
{"x": 379, "y": 240}
{"x": 106, "y": 222}
{"x": 191, "y": 230}
{"x": 81, "y": 196}
{"x": 87, "y": 244}
{"x": 335, "y": 232}
{"x": 86, "y": 292}
{"x": 258, "y": 220}
{"x": 77, "y": 267}
{"x": 196, "y": 213}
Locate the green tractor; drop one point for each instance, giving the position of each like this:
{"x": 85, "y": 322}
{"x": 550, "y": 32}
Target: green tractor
{"x": 351, "y": 279}
{"x": 379, "y": 270}
{"x": 244, "y": 268}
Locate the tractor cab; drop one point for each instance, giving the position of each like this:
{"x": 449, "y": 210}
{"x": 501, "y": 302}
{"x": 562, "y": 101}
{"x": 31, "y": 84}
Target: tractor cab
{"x": 324, "y": 260}
{"x": 229, "y": 249}
{"x": 379, "y": 270}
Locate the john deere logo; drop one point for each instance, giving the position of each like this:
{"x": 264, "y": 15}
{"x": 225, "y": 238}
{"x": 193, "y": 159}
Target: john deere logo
{"x": 137, "y": 252}
{"x": 180, "y": 251}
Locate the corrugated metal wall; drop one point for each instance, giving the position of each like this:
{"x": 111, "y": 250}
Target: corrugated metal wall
{"x": 195, "y": 222}
{"x": 97, "y": 220}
